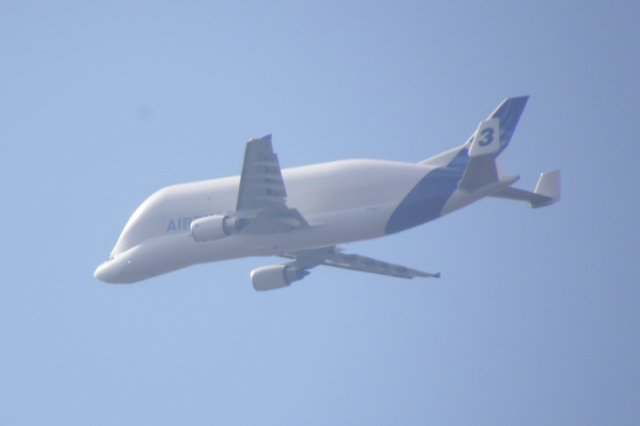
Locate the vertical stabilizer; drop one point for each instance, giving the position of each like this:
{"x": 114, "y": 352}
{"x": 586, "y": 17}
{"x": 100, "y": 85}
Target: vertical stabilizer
{"x": 486, "y": 140}
{"x": 508, "y": 112}
{"x": 481, "y": 169}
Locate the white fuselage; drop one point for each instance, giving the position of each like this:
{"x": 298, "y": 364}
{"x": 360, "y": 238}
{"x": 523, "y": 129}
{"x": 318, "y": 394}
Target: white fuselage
{"x": 343, "y": 201}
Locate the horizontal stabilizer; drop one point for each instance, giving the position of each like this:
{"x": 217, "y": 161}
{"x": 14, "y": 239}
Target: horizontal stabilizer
{"x": 546, "y": 193}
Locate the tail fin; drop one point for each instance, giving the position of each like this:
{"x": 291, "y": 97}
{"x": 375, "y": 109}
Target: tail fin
{"x": 508, "y": 112}
{"x": 481, "y": 168}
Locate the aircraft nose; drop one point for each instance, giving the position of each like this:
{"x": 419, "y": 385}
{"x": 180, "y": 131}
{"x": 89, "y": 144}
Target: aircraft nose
{"x": 100, "y": 273}
{"x": 106, "y": 273}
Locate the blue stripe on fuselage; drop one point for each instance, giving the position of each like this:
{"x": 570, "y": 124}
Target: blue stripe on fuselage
{"x": 426, "y": 200}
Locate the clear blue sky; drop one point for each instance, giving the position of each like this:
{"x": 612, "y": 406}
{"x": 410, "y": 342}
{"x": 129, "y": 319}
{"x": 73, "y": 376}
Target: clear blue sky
{"x": 535, "y": 321}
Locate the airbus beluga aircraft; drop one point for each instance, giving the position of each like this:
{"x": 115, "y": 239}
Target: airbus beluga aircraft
{"x": 303, "y": 213}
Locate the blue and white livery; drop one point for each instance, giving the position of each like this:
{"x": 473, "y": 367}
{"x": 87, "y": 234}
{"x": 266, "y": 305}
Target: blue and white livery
{"x": 303, "y": 213}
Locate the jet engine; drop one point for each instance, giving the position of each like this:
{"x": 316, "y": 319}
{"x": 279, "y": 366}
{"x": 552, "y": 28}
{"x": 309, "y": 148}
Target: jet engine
{"x": 214, "y": 227}
{"x": 276, "y": 276}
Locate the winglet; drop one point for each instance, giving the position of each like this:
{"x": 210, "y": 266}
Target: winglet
{"x": 549, "y": 187}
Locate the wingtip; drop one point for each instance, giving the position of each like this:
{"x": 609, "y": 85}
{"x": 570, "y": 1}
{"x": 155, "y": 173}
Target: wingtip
{"x": 266, "y": 137}
{"x": 428, "y": 275}
{"x": 520, "y": 98}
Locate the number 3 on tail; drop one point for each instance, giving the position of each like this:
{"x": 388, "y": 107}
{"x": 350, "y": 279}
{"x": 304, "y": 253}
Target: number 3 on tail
{"x": 488, "y": 137}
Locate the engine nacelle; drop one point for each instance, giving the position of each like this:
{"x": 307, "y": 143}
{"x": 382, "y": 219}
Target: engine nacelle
{"x": 213, "y": 227}
{"x": 276, "y": 276}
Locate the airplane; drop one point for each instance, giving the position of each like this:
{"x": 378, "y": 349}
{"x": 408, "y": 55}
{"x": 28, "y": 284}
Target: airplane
{"x": 303, "y": 213}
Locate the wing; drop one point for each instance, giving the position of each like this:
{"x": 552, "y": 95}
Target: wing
{"x": 334, "y": 256}
{"x": 261, "y": 184}
{"x": 262, "y": 194}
